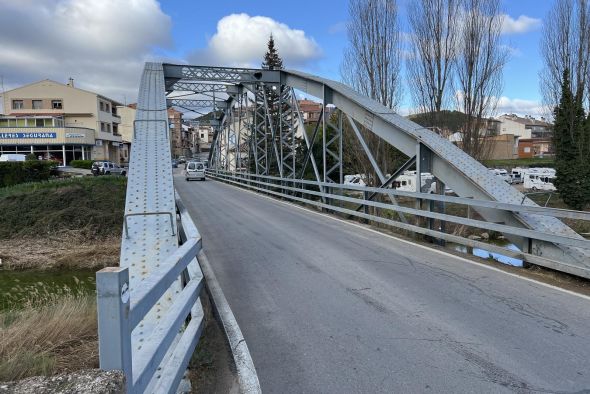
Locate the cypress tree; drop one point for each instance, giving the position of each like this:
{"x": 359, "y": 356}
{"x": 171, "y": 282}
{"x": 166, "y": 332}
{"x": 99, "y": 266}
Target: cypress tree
{"x": 272, "y": 60}
{"x": 568, "y": 138}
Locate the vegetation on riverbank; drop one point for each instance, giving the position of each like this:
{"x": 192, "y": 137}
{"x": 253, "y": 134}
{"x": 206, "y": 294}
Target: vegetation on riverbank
{"x": 51, "y": 333}
{"x": 74, "y": 223}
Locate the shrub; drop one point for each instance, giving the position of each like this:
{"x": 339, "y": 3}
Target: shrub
{"x": 31, "y": 157}
{"x": 86, "y": 164}
{"x": 13, "y": 173}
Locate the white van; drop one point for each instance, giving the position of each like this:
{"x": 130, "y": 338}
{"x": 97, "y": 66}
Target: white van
{"x": 13, "y": 157}
{"x": 195, "y": 170}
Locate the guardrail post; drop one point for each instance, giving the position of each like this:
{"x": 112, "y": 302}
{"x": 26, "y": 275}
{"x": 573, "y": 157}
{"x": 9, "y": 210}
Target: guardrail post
{"x": 114, "y": 335}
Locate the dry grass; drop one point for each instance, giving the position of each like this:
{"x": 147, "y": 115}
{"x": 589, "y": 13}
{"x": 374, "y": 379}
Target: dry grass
{"x": 64, "y": 251}
{"x": 53, "y": 333}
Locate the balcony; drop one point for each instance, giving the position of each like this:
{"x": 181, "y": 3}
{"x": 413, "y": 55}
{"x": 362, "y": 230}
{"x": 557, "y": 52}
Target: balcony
{"x": 101, "y": 135}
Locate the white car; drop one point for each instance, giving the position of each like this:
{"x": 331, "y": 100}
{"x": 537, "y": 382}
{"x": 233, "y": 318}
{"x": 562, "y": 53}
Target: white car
{"x": 194, "y": 170}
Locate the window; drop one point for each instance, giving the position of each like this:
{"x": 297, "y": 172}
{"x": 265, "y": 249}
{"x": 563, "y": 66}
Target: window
{"x": 108, "y": 127}
{"x": 3, "y": 122}
{"x": 101, "y": 106}
{"x": 21, "y": 122}
{"x": 102, "y": 126}
{"x": 17, "y": 104}
{"x": 107, "y": 108}
{"x": 30, "y": 122}
{"x": 56, "y": 104}
{"x": 48, "y": 122}
{"x": 39, "y": 122}
{"x": 37, "y": 104}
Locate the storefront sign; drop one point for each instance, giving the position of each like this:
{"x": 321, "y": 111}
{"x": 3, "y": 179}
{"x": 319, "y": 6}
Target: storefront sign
{"x": 19, "y": 136}
{"x": 75, "y": 135}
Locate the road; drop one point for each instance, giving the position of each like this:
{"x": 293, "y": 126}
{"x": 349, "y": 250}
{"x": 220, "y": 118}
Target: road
{"x": 330, "y": 307}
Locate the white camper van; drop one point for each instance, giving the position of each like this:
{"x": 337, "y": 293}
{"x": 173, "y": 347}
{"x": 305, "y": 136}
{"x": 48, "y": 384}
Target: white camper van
{"x": 407, "y": 182}
{"x": 539, "y": 179}
{"x": 501, "y": 173}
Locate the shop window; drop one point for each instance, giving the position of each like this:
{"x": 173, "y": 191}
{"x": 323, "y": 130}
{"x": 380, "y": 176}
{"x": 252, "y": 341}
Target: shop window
{"x": 17, "y": 104}
{"x": 3, "y": 122}
{"x": 48, "y": 122}
{"x": 56, "y": 104}
{"x": 21, "y": 122}
{"x": 39, "y": 123}
{"x": 30, "y": 122}
{"x": 37, "y": 104}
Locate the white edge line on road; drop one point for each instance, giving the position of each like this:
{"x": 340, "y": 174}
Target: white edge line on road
{"x": 326, "y": 215}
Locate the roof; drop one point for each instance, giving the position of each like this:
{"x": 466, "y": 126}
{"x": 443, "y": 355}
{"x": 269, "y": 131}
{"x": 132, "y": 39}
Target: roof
{"x": 525, "y": 121}
{"x": 63, "y": 84}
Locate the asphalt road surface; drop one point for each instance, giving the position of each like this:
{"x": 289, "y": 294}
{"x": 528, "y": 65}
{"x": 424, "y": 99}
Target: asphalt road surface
{"x": 329, "y": 307}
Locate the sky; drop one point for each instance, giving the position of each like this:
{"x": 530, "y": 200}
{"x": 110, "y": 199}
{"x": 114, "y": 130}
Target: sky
{"x": 103, "y": 44}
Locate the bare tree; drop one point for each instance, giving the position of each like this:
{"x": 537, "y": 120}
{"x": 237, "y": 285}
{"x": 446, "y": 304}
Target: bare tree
{"x": 430, "y": 66}
{"x": 372, "y": 61}
{"x": 371, "y": 65}
{"x": 480, "y": 63}
{"x": 565, "y": 44}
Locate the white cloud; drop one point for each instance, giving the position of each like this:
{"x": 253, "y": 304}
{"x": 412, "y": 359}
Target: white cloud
{"x": 522, "y": 24}
{"x": 240, "y": 40}
{"x": 520, "y": 107}
{"x": 101, "y": 44}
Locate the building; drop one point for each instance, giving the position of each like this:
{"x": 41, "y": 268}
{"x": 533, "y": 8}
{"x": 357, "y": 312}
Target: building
{"x": 310, "y": 110}
{"x": 60, "y": 122}
{"x": 127, "y": 114}
{"x": 533, "y": 134}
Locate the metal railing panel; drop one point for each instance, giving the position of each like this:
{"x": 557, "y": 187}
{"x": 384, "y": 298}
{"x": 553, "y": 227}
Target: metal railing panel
{"x": 148, "y": 359}
{"x": 240, "y": 179}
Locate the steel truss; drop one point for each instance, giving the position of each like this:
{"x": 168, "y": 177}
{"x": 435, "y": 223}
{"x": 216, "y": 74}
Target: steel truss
{"x": 270, "y": 123}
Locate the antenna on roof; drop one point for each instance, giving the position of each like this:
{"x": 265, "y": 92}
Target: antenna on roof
{"x": 71, "y": 82}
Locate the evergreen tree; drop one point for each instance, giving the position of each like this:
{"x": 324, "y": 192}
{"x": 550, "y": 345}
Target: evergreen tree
{"x": 571, "y": 157}
{"x": 272, "y": 60}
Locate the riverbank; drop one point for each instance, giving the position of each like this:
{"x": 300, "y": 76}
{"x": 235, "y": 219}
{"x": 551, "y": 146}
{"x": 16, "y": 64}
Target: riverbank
{"x": 74, "y": 223}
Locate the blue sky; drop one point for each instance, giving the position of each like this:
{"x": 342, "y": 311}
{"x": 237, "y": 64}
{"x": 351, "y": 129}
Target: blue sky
{"x": 103, "y": 44}
{"x": 323, "y": 21}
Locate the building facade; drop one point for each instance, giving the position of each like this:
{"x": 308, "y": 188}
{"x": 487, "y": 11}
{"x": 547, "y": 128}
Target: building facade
{"x": 60, "y": 122}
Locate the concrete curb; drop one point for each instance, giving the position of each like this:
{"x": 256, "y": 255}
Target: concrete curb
{"x": 247, "y": 376}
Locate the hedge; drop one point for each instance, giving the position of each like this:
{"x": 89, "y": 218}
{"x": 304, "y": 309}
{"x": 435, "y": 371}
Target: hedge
{"x": 15, "y": 172}
{"x": 86, "y": 164}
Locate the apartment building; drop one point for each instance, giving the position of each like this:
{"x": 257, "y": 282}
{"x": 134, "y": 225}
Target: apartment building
{"x": 59, "y": 122}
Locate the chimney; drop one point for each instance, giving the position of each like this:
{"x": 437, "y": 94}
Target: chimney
{"x": 71, "y": 82}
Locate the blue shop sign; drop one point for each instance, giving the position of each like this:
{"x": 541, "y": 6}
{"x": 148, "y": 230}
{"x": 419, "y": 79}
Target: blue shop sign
{"x": 19, "y": 135}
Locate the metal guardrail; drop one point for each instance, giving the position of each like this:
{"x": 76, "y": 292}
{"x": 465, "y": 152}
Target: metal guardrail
{"x": 292, "y": 189}
{"x": 160, "y": 362}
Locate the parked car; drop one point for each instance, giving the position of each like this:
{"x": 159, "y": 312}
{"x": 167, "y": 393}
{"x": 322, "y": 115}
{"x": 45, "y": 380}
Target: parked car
{"x": 12, "y": 157}
{"x": 195, "y": 170}
{"x": 181, "y": 159}
{"x": 174, "y": 164}
{"x": 107, "y": 168}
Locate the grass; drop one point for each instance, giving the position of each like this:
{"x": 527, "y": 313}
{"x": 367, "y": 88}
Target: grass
{"x": 91, "y": 207}
{"x": 512, "y": 163}
{"x": 54, "y": 332}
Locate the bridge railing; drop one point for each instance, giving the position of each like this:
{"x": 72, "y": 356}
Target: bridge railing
{"x": 343, "y": 199}
{"x": 159, "y": 363}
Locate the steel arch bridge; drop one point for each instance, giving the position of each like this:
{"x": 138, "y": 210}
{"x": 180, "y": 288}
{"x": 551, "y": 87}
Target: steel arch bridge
{"x": 256, "y": 122}
{"x": 247, "y": 138}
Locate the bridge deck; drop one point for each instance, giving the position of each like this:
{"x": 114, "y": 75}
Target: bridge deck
{"x": 331, "y": 307}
